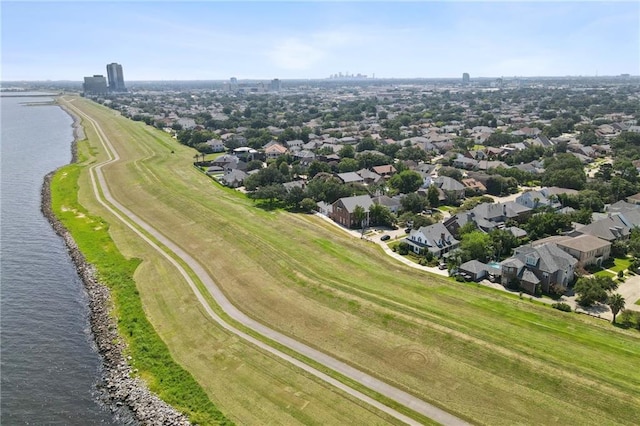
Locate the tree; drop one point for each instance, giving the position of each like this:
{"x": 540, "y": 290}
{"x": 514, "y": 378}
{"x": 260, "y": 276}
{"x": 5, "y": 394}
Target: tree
{"x": 433, "y": 198}
{"x": 347, "y": 151}
{"x": 451, "y": 172}
{"x": 406, "y": 182}
{"x": 380, "y": 215}
{"x": 307, "y": 205}
{"x": 254, "y": 165}
{"x": 348, "y": 165}
{"x": 413, "y": 203}
{"x": 316, "y": 167}
{"x": 271, "y": 193}
{"x": 616, "y": 304}
{"x": 594, "y": 289}
{"x": 565, "y": 171}
{"x": 476, "y": 245}
{"x": 359, "y": 214}
{"x": 294, "y": 197}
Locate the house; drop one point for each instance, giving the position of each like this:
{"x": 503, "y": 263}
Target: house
{"x": 343, "y": 210}
{"x": 475, "y": 269}
{"x": 275, "y": 150}
{"x": 369, "y": 177}
{"x": 535, "y": 199}
{"x": 498, "y": 213}
{"x": 245, "y": 153}
{"x": 295, "y": 144}
{"x": 294, "y": 184}
{"x": 471, "y": 183}
{"x": 304, "y": 157}
{"x": 350, "y": 177}
{"x": 233, "y": 178}
{"x": 385, "y": 171}
{"x": 449, "y": 186}
{"x": 392, "y": 203}
{"x": 433, "y": 238}
{"x": 324, "y": 208}
{"x": 611, "y": 228}
{"x": 463, "y": 162}
{"x": 587, "y": 249}
{"x": 540, "y": 267}
{"x": 634, "y": 199}
{"x": 216, "y": 145}
{"x": 229, "y": 162}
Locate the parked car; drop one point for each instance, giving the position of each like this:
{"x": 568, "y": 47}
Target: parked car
{"x": 385, "y": 238}
{"x": 442, "y": 266}
{"x": 407, "y": 230}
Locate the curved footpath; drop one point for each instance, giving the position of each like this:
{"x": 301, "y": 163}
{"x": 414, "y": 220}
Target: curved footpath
{"x": 123, "y": 390}
{"x": 133, "y": 222}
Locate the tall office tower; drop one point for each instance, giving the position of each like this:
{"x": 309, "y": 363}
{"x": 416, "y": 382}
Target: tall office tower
{"x": 116, "y": 78}
{"x": 276, "y": 85}
{"x": 465, "y": 78}
{"x": 96, "y": 85}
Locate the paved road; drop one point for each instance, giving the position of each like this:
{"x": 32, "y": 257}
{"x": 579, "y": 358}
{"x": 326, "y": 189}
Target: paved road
{"x": 103, "y": 195}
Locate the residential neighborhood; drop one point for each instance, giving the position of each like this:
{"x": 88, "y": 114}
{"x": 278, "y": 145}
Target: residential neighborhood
{"x": 530, "y": 184}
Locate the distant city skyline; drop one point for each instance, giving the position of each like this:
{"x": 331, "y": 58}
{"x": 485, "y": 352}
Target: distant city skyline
{"x": 314, "y": 40}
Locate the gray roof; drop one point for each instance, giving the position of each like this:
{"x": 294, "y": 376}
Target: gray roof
{"x": 549, "y": 258}
{"x": 234, "y": 176}
{"x": 448, "y": 184}
{"x": 474, "y": 266}
{"x": 296, "y": 183}
{"x": 350, "y": 177}
{"x": 368, "y": 174}
{"x": 387, "y": 201}
{"x": 517, "y": 232}
{"x": 610, "y": 228}
{"x": 350, "y": 203}
{"x": 529, "y": 277}
{"x": 621, "y": 206}
{"x": 433, "y": 236}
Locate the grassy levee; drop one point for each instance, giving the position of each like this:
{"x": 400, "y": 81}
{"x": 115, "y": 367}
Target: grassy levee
{"x": 253, "y": 387}
{"x": 483, "y": 356}
{"x": 150, "y": 353}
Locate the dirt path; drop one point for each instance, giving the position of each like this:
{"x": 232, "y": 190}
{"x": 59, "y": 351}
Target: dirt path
{"x": 105, "y": 198}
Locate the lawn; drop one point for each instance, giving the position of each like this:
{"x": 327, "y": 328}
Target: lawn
{"x": 605, "y": 273}
{"x": 621, "y": 264}
{"x": 480, "y": 355}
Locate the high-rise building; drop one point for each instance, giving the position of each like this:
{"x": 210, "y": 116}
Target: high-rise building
{"x": 116, "y": 78}
{"x": 276, "y": 85}
{"x": 96, "y": 85}
{"x": 465, "y": 78}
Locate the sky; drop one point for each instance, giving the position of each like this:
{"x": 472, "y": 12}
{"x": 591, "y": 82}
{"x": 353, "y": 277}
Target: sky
{"x": 214, "y": 40}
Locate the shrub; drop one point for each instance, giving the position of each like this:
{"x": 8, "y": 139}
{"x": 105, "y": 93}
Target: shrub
{"x": 561, "y": 307}
{"x": 403, "y": 248}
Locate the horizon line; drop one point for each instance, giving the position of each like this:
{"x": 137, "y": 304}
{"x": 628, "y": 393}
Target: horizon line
{"x": 623, "y": 75}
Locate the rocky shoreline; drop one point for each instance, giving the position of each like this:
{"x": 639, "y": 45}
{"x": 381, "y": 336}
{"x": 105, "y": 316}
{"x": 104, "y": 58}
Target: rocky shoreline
{"x": 122, "y": 388}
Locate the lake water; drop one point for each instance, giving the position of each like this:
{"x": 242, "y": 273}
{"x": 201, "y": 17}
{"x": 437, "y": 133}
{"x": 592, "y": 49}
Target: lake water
{"x": 50, "y": 369}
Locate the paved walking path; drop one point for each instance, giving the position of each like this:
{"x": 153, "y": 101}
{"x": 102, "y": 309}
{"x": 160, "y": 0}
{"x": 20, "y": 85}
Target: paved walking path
{"x": 130, "y": 219}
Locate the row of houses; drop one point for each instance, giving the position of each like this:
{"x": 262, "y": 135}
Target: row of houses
{"x": 542, "y": 264}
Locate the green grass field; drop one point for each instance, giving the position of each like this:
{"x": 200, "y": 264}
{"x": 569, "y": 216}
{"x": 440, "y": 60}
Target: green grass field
{"x": 483, "y": 356}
